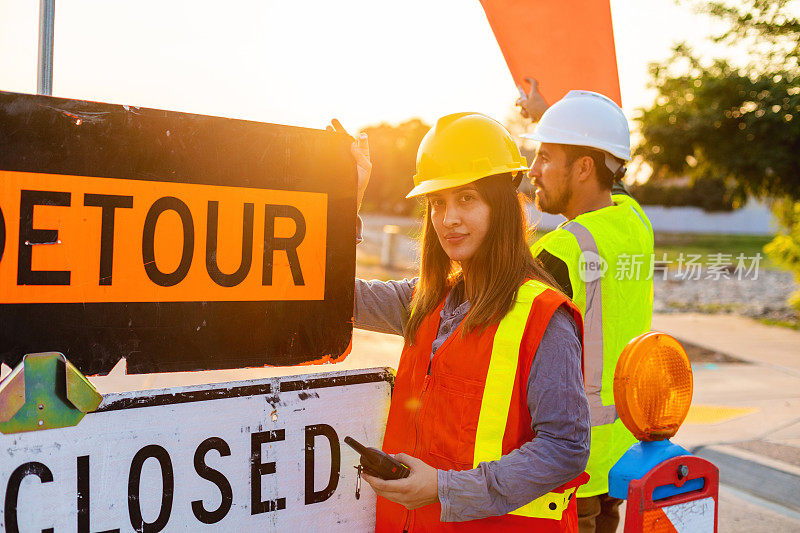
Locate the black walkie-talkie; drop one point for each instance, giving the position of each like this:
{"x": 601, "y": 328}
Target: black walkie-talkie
{"x": 378, "y": 463}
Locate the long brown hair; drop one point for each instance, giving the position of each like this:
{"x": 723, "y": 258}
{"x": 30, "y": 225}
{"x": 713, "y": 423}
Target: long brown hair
{"x": 501, "y": 264}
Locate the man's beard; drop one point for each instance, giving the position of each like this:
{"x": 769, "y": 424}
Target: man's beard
{"x": 553, "y": 206}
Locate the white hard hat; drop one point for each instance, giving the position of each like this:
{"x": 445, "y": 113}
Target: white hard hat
{"x": 585, "y": 118}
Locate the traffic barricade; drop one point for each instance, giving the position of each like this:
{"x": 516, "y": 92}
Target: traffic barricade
{"x": 177, "y": 242}
{"x": 667, "y": 488}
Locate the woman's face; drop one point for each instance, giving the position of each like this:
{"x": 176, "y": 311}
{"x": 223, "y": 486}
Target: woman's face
{"x": 460, "y": 217}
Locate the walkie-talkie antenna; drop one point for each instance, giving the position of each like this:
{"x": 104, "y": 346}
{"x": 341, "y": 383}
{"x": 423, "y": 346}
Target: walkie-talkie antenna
{"x": 357, "y": 446}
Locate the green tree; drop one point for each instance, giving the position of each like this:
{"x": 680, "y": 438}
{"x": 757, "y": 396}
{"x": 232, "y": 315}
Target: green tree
{"x": 718, "y": 121}
{"x": 393, "y": 150}
{"x": 733, "y": 120}
{"x": 785, "y": 247}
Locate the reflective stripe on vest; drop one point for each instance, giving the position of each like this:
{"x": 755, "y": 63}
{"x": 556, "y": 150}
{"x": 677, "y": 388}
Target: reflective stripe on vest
{"x": 593, "y": 326}
{"x": 496, "y": 400}
{"x": 623, "y": 310}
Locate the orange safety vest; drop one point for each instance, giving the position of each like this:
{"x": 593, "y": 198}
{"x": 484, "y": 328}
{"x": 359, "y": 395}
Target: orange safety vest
{"x": 469, "y": 404}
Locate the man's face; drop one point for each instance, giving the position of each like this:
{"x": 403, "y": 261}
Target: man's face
{"x": 552, "y": 179}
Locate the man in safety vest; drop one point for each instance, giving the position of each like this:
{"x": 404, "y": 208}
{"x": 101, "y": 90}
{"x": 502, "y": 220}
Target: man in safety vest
{"x": 602, "y": 256}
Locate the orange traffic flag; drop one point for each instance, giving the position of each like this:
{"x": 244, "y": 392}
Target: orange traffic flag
{"x": 563, "y": 44}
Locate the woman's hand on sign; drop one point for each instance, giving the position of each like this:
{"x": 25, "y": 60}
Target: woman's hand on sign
{"x": 532, "y": 104}
{"x": 420, "y": 488}
{"x": 360, "y": 151}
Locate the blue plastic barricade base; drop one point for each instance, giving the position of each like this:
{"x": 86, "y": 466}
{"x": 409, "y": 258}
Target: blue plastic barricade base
{"x": 638, "y": 461}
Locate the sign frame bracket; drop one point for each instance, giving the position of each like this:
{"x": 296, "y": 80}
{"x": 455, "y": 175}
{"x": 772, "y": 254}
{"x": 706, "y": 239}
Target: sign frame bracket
{"x": 45, "y": 391}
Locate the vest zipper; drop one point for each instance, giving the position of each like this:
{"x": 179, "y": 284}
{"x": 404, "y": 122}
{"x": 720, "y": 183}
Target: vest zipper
{"x": 425, "y": 383}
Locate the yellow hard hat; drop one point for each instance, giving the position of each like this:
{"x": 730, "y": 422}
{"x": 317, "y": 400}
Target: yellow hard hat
{"x": 462, "y": 148}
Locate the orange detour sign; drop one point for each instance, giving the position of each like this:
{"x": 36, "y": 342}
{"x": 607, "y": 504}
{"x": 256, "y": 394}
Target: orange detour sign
{"x": 565, "y": 44}
{"x": 177, "y": 241}
{"x": 165, "y": 242}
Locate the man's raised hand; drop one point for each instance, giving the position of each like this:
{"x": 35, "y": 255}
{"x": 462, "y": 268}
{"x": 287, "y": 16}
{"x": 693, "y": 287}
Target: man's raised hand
{"x": 532, "y": 104}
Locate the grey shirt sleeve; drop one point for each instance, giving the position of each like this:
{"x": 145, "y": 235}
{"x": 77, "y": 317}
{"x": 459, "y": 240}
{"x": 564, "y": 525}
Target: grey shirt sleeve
{"x": 559, "y": 452}
{"x": 383, "y": 306}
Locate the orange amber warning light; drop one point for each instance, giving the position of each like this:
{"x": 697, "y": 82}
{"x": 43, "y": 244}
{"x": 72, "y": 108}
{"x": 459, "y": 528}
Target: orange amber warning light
{"x": 653, "y": 386}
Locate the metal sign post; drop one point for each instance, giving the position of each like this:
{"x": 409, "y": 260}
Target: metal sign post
{"x": 47, "y": 12}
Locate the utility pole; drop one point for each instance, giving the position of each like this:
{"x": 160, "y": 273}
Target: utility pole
{"x": 47, "y": 12}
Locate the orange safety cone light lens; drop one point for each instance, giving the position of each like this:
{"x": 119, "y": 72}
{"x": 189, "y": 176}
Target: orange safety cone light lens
{"x": 653, "y": 386}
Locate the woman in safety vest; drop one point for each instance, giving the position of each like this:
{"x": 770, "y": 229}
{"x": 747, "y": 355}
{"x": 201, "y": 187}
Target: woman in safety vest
{"x": 488, "y": 409}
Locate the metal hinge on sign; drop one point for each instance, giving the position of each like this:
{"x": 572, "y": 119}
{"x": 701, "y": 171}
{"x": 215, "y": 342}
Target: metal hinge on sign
{"x": 45, "y": 392}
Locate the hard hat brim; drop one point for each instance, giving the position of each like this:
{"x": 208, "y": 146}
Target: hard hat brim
{"x": 560, "y": 137}
{"x": 435, "y": 185}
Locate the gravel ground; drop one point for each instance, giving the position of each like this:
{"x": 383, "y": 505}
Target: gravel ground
{"x": 760, "y": 294}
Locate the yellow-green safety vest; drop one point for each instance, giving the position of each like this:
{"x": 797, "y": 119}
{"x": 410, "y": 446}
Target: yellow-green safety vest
{"x": 609, "y": 255}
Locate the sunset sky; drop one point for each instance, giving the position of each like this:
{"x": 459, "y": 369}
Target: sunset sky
{"x": 301, "y": 62}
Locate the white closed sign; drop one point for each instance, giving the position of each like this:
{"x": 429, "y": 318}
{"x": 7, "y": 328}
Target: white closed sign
{"x": 260, "y": 455}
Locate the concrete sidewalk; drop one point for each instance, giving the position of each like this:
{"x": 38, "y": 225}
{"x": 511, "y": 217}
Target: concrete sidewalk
{"x": 736, "y": 336}
{"x": 756, "y": 398}
{"x": 765, "y": 367}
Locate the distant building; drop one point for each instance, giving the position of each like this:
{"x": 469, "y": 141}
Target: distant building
{"x": 755, "y": 218}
